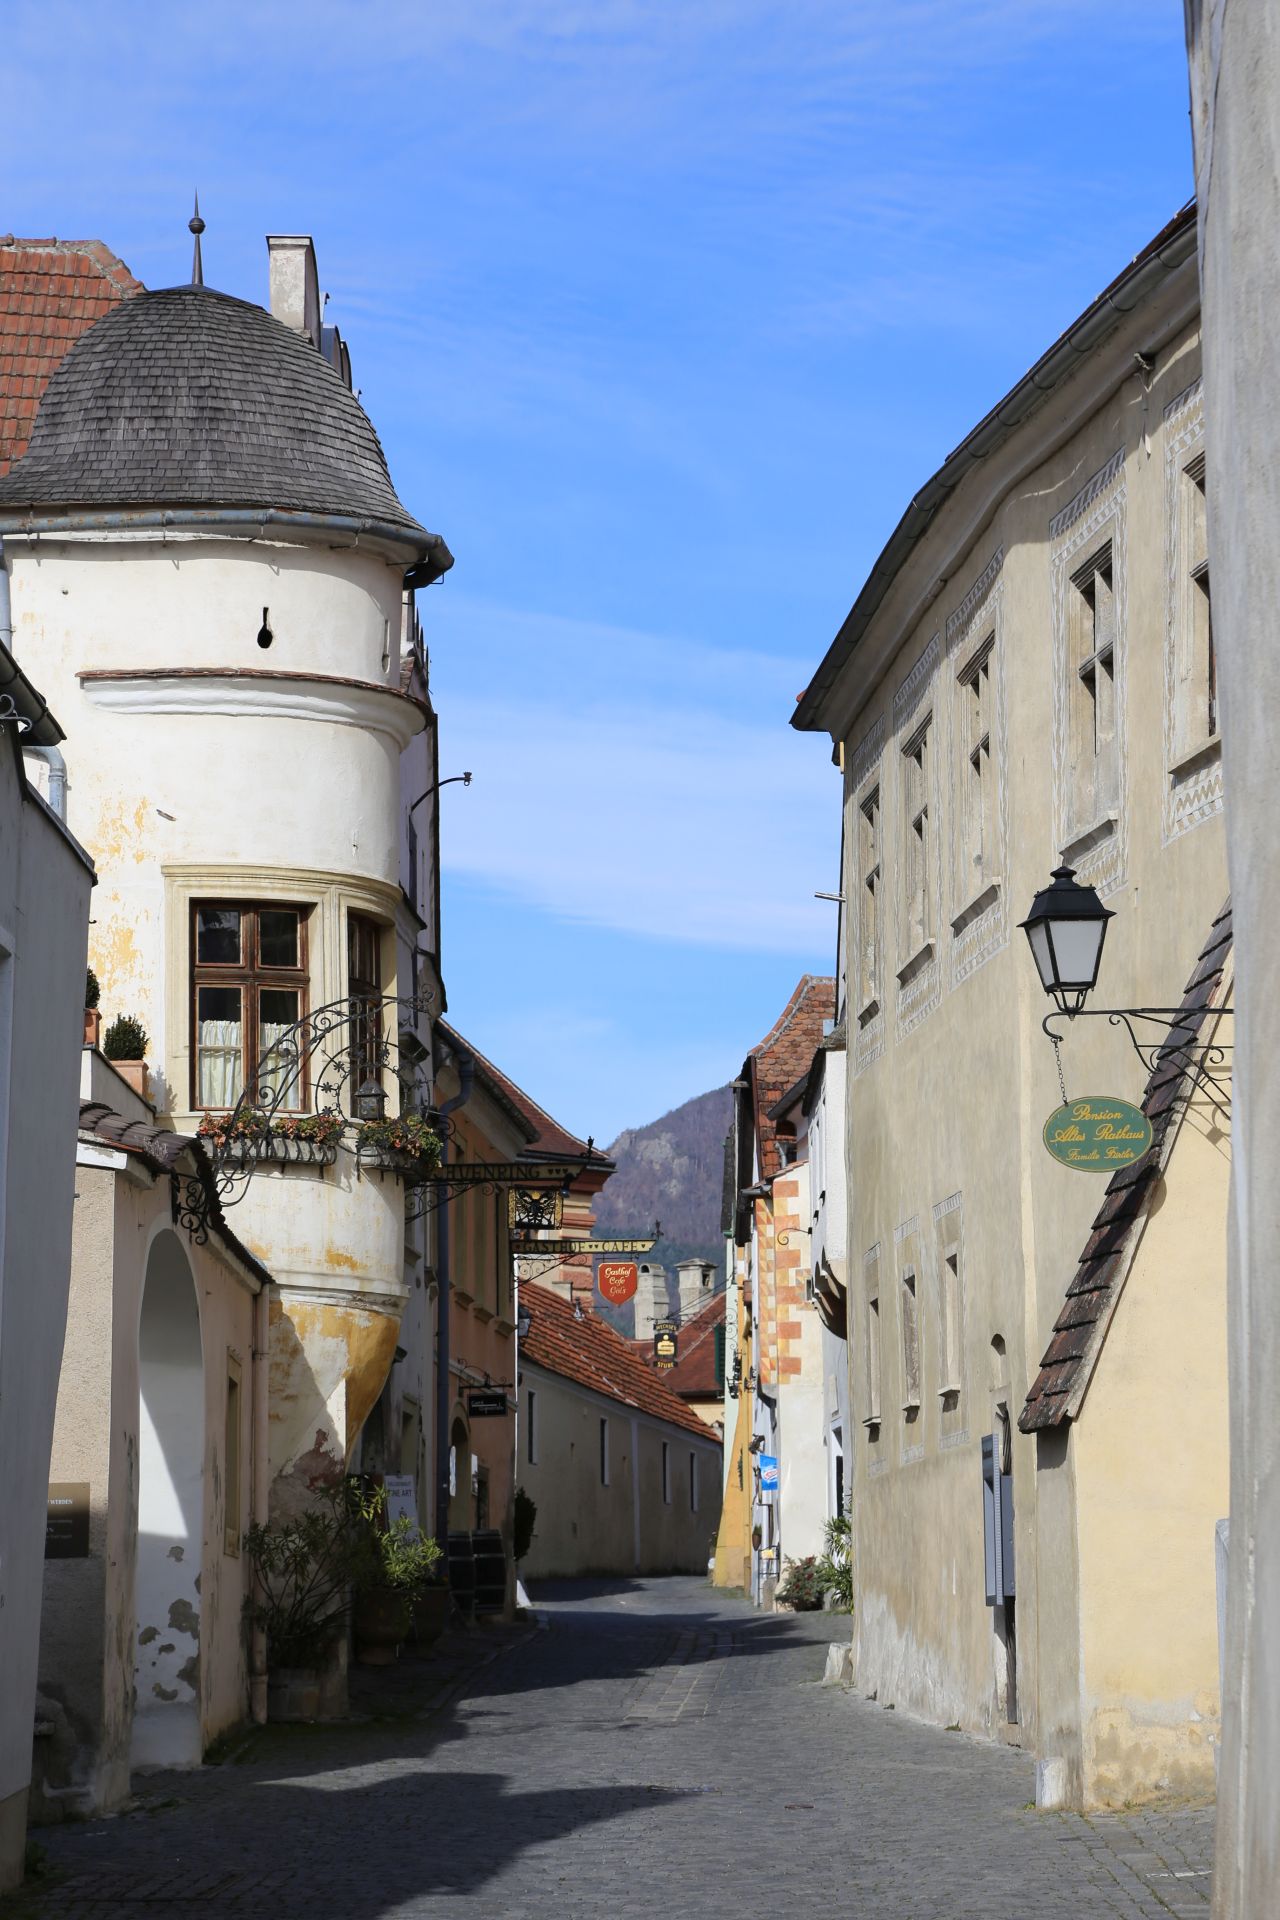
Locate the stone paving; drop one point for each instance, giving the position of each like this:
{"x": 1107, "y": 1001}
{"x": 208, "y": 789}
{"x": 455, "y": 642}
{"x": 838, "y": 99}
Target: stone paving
{"x": 658, "y": 1750}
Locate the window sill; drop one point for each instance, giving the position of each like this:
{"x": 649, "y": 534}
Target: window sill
{"x": 1087, "y": 838}
{"x": 1197, "y": 759}
{"x": 872, "y": 1425}
{"x": 948, "y": 1393}
{"x": 868, "y": 1013}
{"x": 916, "y": 964}
{"x": 976, "y": 907}
{"x": 910, "y": 1409}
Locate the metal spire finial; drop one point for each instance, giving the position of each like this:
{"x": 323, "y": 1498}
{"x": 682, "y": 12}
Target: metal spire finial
{"x": 196, "y": 225}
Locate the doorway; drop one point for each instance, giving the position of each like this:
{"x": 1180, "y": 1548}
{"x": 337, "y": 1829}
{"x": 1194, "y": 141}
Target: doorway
{"x": 166, "y": 1714}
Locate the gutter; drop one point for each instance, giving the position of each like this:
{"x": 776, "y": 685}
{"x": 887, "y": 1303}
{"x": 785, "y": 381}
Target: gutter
{"x": 434, "y": 557}
{"x": 1171, "y": 248}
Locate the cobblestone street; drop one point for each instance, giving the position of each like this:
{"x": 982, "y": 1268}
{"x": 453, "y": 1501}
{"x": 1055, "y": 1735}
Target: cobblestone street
{"x": 629, "y": 1760}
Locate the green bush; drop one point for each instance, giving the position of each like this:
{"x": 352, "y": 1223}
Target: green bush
{"x": 835, "y": 1565}
{"x": 92, "y": 991}
{"x": 801, "y": 1587}
{"x": 126, "y": 1039}
{"x": 305, "y": 1570}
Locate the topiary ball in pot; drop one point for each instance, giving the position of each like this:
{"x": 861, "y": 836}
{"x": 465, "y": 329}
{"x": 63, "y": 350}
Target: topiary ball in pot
{"x": 126, "y": 1039}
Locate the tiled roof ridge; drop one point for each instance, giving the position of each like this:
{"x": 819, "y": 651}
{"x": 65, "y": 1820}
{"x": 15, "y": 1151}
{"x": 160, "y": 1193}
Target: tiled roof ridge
{"x": 1080, "y": 1328}
{"x": 161, "y": 1148}
{"x": 805, "y": 986}
{"x": 589, "y": 1352}
{"x": 109, "y": 264}
{"x": 545, "y": 1123}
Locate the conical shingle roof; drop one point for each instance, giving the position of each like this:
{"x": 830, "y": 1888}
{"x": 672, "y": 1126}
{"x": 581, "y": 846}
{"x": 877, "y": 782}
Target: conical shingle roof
{"x": 187, "y": 397}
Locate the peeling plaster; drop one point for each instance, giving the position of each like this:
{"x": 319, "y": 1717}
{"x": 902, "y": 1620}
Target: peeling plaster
{"x": 147, "y": 1635}
{"x": 183, "y": 1618}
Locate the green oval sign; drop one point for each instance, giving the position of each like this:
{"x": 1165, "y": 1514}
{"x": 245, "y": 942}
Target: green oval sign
{"x": 1097, "y": 1134}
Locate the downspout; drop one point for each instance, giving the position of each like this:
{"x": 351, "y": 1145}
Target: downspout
{"x": 52, "y": 756}
{"x": 259, "y": 1487}
{"x": 466, "y": 1076}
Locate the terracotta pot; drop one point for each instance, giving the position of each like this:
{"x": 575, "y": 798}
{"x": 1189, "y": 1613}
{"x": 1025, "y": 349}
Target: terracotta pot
{"x": 381, "y": 1621}
{"x": 135, "y": 1072}
{"x": 431, "y": 1608}
{"x": 92, "y": 1026}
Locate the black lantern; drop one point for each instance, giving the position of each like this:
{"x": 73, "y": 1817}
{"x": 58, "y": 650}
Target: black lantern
{"x": 371, "y": 1099}
{"x": 1066, "y": 926}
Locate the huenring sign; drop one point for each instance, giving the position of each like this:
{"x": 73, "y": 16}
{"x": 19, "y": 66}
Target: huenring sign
{"x": 618, "y": 1280}
{"x": 1097, "y": 1134}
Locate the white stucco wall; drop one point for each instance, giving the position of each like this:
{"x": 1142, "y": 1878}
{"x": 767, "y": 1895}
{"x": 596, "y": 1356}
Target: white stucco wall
{"x": 44, "y": 907}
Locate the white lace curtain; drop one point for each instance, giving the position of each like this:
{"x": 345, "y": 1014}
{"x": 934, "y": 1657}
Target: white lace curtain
{"x": 272, "y": 1069}
{"x": 220, "y": 1063}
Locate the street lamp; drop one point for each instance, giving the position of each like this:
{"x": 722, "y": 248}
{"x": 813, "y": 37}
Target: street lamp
{"x": 1066, "y": 928}
{"x": 371, "y": 1099}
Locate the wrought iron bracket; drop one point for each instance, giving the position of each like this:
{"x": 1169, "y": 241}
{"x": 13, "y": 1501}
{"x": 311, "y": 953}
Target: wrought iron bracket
{"x": 1168, "y": 1037}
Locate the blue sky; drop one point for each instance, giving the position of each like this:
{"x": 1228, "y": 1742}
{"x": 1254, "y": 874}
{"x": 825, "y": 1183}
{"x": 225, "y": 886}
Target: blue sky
{"x": 662, "y": 311}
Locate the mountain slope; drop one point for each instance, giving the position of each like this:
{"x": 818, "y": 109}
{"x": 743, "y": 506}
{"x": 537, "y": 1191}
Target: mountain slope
{"x": 671, "y": 1170}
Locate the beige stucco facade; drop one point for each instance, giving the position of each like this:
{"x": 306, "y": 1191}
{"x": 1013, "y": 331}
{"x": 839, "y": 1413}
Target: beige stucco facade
{"x": 653, "y": 1510}
{"x": 144, "y": 1656}
{"x": 1026, "y": 689}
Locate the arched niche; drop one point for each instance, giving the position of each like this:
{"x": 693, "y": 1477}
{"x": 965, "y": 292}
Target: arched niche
{"x": 166, "y": 1715}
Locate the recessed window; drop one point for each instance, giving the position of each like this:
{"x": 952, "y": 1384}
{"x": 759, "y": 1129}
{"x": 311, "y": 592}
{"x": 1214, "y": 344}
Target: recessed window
{"x": 531, "y": 1427}
{"x": 693, "y": 1482}
{"x": 364, "y": 985}
{"x": 869, "y": 897}
{"x": 951, "y": 1330}
{"x": 666, "y": 1472}
{"x": 873, "y": 1360}
{"x": 1095, "y": 771}
{"x": 910, "y": 1342}
{"x": 1201, "y": 665}
{"x": 918, "y": 845}
{"x": 978, "y": 811}
{"x": 249, "y": 987}
{"x": 604, "y": 1453}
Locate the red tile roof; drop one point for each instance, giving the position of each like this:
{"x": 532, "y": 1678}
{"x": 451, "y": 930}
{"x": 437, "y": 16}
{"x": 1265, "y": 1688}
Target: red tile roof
{"x": 785, "y": 1055}
{"x": 1080, "y": 1328}
{"x": 51, "y": 291}
{"x": 587, "y": 1351}
{"x": 693, "y": 1376}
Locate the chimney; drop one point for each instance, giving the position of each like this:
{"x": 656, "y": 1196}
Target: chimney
{"x": 696, "y": 1280}
{"x": 652, "y": 1300}
{"x": 295, "y": 283}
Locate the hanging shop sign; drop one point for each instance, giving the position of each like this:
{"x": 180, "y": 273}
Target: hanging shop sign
{"x": 664, "y": 1343}
{"x": 497, "y": 1173}
{"x": 618, "y": 1280}
{"x": 487, "y": 1403}
{"x": 584, "y": 1246}
{"x": 534, "y": 1212}
{"x": 1097, "y": 1134}
{"x": 66, "y": 1535}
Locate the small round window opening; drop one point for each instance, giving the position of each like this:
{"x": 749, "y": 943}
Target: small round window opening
{"x": 265, "y": 635}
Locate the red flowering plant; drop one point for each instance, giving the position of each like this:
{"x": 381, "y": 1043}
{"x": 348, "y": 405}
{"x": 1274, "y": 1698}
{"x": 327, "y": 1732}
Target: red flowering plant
{"x": 255, "y": 1129}
{"x": 406, "y": 1133}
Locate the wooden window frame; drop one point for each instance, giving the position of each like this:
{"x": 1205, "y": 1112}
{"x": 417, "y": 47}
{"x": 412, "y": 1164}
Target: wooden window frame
{"x": 250, "y": 977}
{"x": 357, "y": 923}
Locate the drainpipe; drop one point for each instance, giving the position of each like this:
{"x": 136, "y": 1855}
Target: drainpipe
{"x": 259, "y": 1488}
{"x": 466, "y": 1073}
{"x": 52, "y": 756}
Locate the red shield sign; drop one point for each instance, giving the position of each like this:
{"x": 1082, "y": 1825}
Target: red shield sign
{"x": 617, "y": 1280}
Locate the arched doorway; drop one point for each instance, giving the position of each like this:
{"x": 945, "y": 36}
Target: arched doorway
{"x": 166, "y": 1714}
{"x": 461, "y": 1512}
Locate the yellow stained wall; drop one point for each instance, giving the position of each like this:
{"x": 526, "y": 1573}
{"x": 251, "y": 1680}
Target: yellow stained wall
{"x": 733, "y": 1538}
{"x": 1152, "y": 1481}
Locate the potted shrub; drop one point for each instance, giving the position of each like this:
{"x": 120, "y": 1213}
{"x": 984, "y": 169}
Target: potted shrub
{"x": 406, "y": 1142}
{"x": 801, "y": 1590}
{"x": 303, "y": 1574}
{"x": 125, "y": 1046}
{"x": 92, "y": 1018}
{"x": 392, "y": 1588}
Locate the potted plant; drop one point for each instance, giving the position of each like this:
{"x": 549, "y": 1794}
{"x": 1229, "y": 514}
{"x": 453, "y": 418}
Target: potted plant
{"x": 125, "y": 1046}
{"x": 303, "y": 1574}
{"x": 407, "y": 1142}
{"x": 92, "y": 1018}
{"x": 393, "y": 1583}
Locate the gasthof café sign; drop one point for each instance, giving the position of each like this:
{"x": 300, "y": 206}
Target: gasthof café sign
{"x": 1097, "y": 1134}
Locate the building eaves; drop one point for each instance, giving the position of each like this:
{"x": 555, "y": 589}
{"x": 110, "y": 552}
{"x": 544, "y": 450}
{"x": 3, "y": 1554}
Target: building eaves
{"x": 1080, "y": 1328}
{"x": 586, "y": 1351}
{"x": 164, "y": 1152}
{"x": 548, "y": 1139}
{"x": 1169, "y": 250}
{"x": 43, "y": 730}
